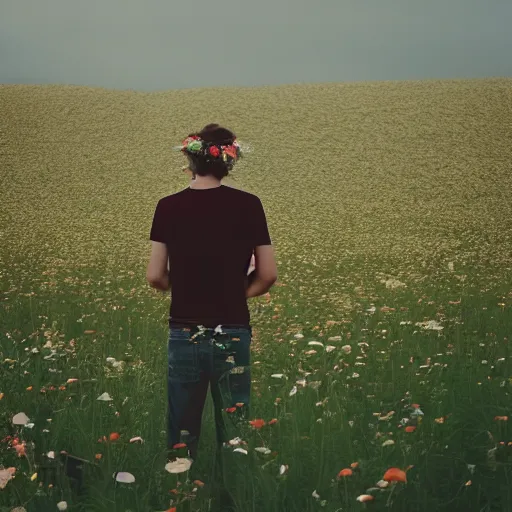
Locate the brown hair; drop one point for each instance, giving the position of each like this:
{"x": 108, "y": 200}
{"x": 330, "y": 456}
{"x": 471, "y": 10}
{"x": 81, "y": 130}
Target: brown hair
{"x": 217, "y": 135}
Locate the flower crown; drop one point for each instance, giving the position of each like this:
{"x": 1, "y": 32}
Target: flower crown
{"x": 194, "y": 145}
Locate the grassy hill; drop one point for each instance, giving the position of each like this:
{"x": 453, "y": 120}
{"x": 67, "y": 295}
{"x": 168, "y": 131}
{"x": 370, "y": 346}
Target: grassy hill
{"x": 410, "y": 170}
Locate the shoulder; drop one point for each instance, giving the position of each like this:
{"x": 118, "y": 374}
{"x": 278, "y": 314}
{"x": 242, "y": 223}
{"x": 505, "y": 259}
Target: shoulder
{"x": 241, "y": 193}
{"x": 247, "y": 201}
{"x": 171, "y": 198}
{"x": 176, "y": 194}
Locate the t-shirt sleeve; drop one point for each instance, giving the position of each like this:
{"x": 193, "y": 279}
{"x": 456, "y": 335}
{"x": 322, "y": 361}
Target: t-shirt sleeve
{"x": 158, "y": 233}
{"x": 260, "y": 234}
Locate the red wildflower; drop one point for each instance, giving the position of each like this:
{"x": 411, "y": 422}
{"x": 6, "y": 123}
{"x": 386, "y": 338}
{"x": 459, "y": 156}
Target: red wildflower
{"x": 395, "y": 475}
{"x": 258, "y": 423}
{"x": 214, "y": 151}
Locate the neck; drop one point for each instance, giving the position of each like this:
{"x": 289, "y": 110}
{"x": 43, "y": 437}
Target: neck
{"x": 205, "y": 182}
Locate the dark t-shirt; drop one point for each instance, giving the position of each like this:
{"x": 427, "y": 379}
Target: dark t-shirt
{"x": 210, "y": 235}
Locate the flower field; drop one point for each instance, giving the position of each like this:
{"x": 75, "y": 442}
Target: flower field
{"x": 381, "y": 360}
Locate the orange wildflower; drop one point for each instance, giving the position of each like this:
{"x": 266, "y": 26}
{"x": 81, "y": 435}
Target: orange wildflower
{"x": 231, "y": 409}
{"x": 501, "y": 418}
{"x": 410, "y": 428}
{"x": 354, "y": 465}
{"x": 172, "y": 509}
{"x": 395, "y": 475}
{"x": 239, "y": 404}
{"x": 29, "y": 388}
{"x": 98, "y": 456}
{"x": 258, "y": 423}
{"x": 179, "y": 445}
{"x": 272, "y": 421}
{"x": 199, "y": 483}
{"x": 345, "y": 472}
{"x": 114, "y": 436}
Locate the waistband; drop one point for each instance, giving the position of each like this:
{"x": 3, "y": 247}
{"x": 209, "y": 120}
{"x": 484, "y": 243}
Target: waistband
{"x": 182, "y": 325}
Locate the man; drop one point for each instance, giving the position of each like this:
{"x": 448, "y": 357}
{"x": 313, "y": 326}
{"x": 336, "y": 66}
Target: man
{"x": 207, "y": 233}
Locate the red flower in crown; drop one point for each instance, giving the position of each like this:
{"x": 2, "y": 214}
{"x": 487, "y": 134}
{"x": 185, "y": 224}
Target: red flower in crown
{"x": 230, "y": 151}
{"x": 189, "y": 139}
{"x": 214, "y": 151}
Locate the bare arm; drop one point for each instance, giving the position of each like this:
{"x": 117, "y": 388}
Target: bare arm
{"x": 258, "y": 287}
{"x": 265, "y": 274}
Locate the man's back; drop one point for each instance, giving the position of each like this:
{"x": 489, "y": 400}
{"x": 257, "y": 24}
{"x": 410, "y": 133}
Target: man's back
{"x": 210, "y": 236}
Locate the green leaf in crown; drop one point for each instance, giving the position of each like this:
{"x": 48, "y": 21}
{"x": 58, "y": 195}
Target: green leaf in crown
{"x": 194, "y": 146}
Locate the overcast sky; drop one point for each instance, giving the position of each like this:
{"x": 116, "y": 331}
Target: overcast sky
{"x": 153, "y": 45}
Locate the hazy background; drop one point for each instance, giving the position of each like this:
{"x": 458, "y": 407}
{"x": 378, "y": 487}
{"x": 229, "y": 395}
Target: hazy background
{"x": 163, "y": 44}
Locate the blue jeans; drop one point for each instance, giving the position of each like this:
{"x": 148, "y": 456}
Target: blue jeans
{"x": 198, "y": 357}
